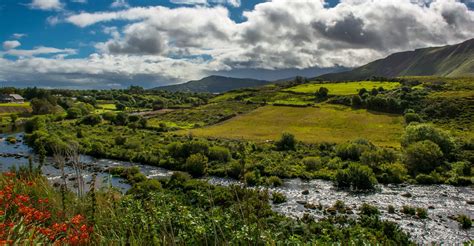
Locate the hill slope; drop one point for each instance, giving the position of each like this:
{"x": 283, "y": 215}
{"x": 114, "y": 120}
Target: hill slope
{"x": 214, "y": 84}
{"x": 447, "y": 61}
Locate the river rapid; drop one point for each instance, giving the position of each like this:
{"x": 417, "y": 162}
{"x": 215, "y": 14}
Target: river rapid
{"x": 303, "y": 197}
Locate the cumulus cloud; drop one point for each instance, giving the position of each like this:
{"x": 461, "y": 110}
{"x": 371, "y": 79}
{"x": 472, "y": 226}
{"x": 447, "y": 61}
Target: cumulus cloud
{"x": 176, "y": 44}
{"x": 10, "y": 44}
{"x": 46, "y": 4}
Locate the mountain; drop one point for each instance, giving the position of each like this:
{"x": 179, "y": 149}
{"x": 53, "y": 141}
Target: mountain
{"x": 447, "y": 61}
{"x": 214, "y": 84}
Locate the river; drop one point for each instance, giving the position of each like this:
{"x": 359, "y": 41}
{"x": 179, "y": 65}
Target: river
{"x": 443, "y": 201}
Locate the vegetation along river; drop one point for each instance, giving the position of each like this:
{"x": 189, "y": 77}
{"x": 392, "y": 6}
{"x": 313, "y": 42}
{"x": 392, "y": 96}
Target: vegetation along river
{"x": 313, "y": 198}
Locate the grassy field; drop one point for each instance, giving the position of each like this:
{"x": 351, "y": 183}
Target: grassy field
{"x": 345, "y": 88}
{"x": 330, "y": 123}
{"x": 7, "y": 109}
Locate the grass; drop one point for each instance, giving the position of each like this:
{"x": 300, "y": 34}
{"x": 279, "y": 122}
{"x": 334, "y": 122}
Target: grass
{"x": 105, "y": 107}
{"x": 7, "y": 109}
{"x": 346, "y": 88}
{"x": 24, "y": 105}
{"x": 327, "y": 123}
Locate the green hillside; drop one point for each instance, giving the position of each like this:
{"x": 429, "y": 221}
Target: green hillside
{"x": 447, "y": 61}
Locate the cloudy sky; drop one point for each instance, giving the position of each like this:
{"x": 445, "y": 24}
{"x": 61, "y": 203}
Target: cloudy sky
{"x": 115, "y": 43}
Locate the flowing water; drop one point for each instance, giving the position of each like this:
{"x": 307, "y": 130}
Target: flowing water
{"x": 442, "y": 201}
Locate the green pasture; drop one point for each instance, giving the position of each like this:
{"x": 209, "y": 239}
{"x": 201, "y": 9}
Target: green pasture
{"x": 343, "y": 88}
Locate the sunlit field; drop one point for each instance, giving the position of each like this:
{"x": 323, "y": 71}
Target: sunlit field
{"x": 343, "y": 88}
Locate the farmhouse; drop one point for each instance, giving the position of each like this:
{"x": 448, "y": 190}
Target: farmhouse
{"x": 11, "y": 98}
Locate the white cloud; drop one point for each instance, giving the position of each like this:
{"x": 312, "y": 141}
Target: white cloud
{"x": 79, "y": 1}
{"x": 119, "y": 4}
{"x": 41, "y": 50}
{"x": 234, "y": 3}
{"x": 11, "y": 44}
{"x": 19, "y": 35}
{"x": 46, "y": 4}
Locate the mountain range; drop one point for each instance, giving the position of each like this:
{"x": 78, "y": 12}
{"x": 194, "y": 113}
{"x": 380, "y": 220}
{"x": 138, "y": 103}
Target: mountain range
{"x": 446, "y": 61}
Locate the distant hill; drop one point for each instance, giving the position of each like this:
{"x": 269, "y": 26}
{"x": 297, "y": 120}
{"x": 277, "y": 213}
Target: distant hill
{"x": 447, "y": 61}
{"x": 214, "y": 84}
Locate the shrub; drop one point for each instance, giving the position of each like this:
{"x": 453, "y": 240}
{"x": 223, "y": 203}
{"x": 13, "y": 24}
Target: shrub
{"x": 408, "y": 210}
{"x": 74, "y": 113}
{"x": 432, "y": 178}
{"x": 369, "y": 210}
{"x": 392, "y": 173}
{"x": 274, "y": 181}
{"x": 357, "y": 177}
{"x": 391, "y": 209}
{"x": 92, "y": 119}
{"x": 412, "y": 117}
{"x": 423, "y": 157}
{"x": 120, "y": 140}
{"x": 461, "y": 168}
{"x": 322, "y": 93}
{"x": 179, "y": 178}
{"x": 251, "y": 178}
{"x": 464, "y": 221}
{"x": 220, "y": 154}
{"x": 196, "y": 165}
{"x": 420, "y": 132}
{"x": 312, "y": 163}
{"x": 422, "y": 213}
{"x": 278, "y": 198}
{"x": 286, "y": 142}
{"x": 353, "y": 150}
{"x": 356, "y": 101}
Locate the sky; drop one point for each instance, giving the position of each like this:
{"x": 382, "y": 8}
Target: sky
{"x": 116, "y": 43}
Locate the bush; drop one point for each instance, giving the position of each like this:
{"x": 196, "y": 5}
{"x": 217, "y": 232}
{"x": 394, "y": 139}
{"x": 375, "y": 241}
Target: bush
{"x": 420, "y": 132}
{"x": 286, "y": 142}
{"x": 274, "y": 181}
{"x": 422, "y": 213}
{"x": 408, "y": 210}
{"x": 392, "y": 173}
{"x": 322, "y": 93}
{"x": 423, "y": 157}
{"x": 143, "y": 188}
{"x": 278, "y": 198}
{"x": 464, "y": 221}
{"x": 391, "y": 209}
{"x": 196, "y": 165}
{"x": 356, "y": 101}
{"x": 179, "y": 178}
{"x": 312, "y": 163}
{"x": 369, "y": 210}
{"x": 357, "y": 177}
{"x": 220, "y": 154}
{"x": 92, "y": 119}
{"x": 412, "y": 117}
{"x": 461, "y": 168}
{"x": 353, "y": 150}
{"x": 432, "y": 178}
{"x": 251, "y": 178}
{"x": 74, "y": 113}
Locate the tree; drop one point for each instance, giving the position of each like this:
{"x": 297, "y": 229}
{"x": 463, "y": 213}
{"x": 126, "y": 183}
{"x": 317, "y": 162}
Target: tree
{"x": 322, "y": 93}
{"x": 420, "y": 132}
{"x": 92, "y": 119}
{"x": 42, "y": 106}
{"x": 357, "y": 177}
{"x": 423, "y": 157}
{"x": 412, "y": 117}
{"x": 74, "y": 113}
{"x": 120, "y": 106}
{"x": 196, "y": 165}
{"x": 356, "y": 101}
{"x": 286, "y": 142}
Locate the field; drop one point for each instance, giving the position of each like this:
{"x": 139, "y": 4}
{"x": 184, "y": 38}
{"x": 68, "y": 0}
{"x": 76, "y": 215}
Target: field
{"x": 343, "y": 88}
{"x": 328, "y": 123}
{"x": 14, "y": 108}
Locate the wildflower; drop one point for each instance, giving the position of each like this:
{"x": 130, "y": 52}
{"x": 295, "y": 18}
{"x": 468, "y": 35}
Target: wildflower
{"x": 77, "y": 219}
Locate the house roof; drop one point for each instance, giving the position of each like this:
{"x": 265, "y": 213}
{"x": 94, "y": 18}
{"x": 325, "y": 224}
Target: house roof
{"x": 17, "y": 97}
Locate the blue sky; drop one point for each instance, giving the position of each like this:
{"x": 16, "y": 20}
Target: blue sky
{"x": 109, "y": 44}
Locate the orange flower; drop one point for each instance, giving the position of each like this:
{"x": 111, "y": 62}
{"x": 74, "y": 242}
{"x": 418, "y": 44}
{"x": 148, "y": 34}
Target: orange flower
{"x": 77, "y": 219}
